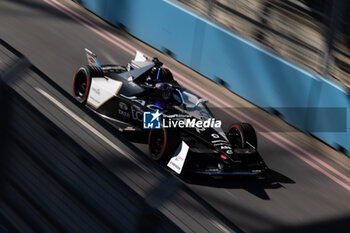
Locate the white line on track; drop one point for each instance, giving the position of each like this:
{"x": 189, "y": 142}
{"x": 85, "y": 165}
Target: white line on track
{"x": 292, "y": 148}
{"x": 89, "y": 127}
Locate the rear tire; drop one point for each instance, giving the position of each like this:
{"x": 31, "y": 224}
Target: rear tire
{"x": 162, "y": 144}
{"x": 82, "y": 81}
{"x": 242, "y": 135}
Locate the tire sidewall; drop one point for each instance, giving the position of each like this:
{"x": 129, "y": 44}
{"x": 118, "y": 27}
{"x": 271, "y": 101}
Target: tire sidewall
{"x": 171, "y": 141}
{"x": 86, "y": 71}
{"x": 247, "y": 134}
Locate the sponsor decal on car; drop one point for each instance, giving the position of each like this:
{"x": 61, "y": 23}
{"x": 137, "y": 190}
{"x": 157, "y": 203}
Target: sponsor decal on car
{"x": 123, "y": 106}
{"x": 177, "y": 162}
{"x": 136, "y": 114}
{"x": 92, "y": 60}
{"x": 221, "y": 144}
{"x": 123, "y": 113}
{"x": 96, "y": 90}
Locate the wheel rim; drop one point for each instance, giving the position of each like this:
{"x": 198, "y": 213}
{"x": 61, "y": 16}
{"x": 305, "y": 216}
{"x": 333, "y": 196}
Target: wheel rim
{"x": 80, "y": 85}
{"x": 156, "y": 144}
{"x": 235, "y": 138}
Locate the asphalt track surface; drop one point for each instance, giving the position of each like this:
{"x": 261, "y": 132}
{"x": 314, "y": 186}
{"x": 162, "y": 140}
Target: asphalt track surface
{"x": 308, "y": 189}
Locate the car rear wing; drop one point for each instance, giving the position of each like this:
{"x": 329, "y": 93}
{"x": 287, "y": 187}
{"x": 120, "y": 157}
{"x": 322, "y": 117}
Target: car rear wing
{"x": 92, "y": 59}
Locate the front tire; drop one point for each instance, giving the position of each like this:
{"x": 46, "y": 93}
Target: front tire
{"x": 242, "y": 135}
{"x": 162, "y": 144}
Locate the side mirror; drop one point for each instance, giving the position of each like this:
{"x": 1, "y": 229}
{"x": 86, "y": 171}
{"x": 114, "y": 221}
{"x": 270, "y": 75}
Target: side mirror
{"x": 201, "y": 101}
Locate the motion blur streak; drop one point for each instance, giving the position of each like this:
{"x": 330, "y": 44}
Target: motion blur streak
{"x": 188, "y": 84}
{"x": 347, "y": 179}
{"x": 88, "y": 126}
{"x": 306, "y": 161}
{"x": 91, "y": 26}
{"x": 100, "y": 30}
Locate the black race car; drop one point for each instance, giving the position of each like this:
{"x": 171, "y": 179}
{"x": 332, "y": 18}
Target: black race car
{"x": 182, "y": 132}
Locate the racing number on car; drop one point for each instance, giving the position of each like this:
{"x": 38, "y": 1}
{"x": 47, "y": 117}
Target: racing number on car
{"x": 222, "y": 144}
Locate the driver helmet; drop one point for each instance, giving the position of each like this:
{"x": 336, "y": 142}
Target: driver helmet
{"x": 161, "y": 75}
{"x": 164, "y": 89}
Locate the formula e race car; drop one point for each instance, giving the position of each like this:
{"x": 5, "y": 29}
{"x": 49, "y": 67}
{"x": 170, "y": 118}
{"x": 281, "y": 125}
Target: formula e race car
{"x": 181, "y": 130}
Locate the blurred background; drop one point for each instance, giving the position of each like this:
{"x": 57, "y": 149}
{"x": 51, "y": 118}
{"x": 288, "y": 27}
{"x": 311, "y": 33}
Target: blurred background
{"x": 310, "y": 33}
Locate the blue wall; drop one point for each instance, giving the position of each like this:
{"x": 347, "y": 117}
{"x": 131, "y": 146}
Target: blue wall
{"x": 252, "y": 72}
{"x": 334, "y": 96}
